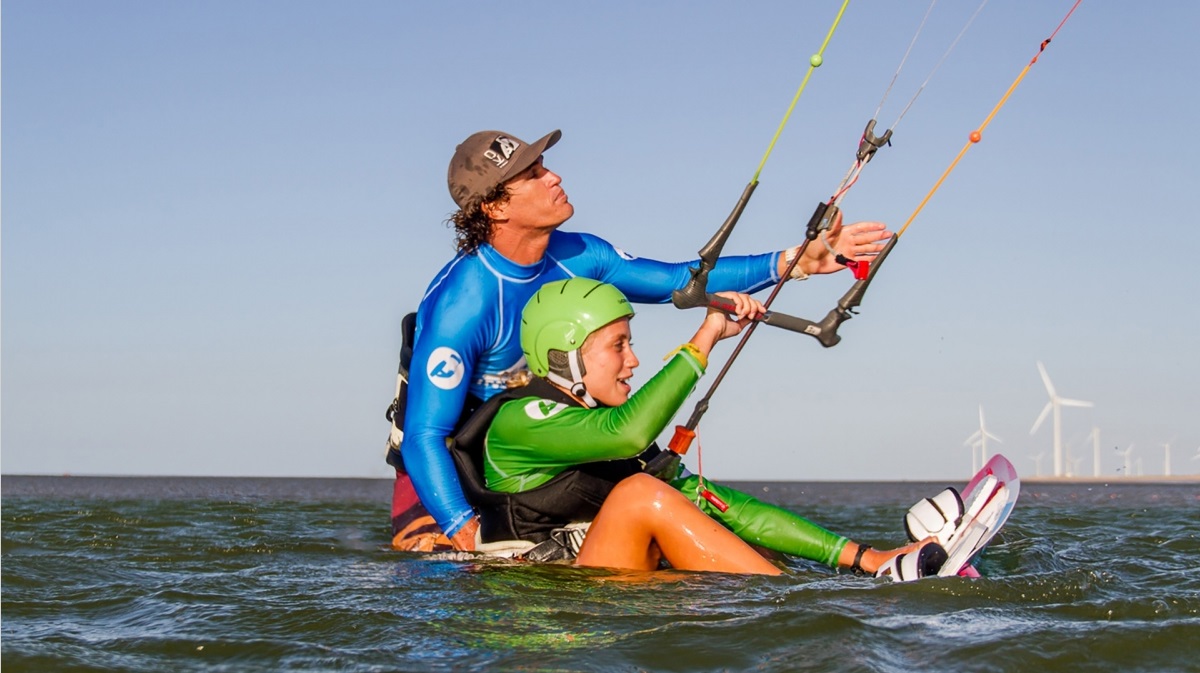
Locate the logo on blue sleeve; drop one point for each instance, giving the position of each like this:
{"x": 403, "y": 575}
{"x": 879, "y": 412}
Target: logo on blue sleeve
{"x": 445, "y": 368}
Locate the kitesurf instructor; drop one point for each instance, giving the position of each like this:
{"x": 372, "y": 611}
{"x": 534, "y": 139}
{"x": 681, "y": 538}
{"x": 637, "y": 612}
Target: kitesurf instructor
{"x": 467, "y": 347}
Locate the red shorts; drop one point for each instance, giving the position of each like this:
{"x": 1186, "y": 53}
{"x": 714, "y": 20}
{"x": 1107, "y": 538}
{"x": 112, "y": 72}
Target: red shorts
{"x": 413, "y": 529}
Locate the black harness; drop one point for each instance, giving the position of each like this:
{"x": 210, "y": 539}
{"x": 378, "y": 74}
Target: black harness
{"x": 573, "y": 496}
{"x": 395, "y": 411}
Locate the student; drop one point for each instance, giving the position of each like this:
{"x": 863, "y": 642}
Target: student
{"x": 558, "y": 446}
{"x": 465, "y": 350}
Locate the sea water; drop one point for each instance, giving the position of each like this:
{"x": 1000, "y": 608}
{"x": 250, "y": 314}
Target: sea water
{"x": 176, "y": 575}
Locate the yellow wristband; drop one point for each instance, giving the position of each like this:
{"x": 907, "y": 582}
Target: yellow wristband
{"x": 690, "y": 349}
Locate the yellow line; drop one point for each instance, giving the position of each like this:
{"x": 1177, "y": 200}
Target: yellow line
{"x": 814, "y": 63}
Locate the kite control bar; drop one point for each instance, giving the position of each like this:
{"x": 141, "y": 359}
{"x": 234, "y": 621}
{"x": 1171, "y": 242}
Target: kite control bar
{"x": 825, "y": 331}
{"x": 694, "y": 294}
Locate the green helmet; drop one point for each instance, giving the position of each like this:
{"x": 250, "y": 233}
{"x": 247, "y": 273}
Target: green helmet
{"x": 563, "y": 313}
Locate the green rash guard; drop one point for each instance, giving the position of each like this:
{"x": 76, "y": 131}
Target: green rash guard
{"x": 531, "y": 440}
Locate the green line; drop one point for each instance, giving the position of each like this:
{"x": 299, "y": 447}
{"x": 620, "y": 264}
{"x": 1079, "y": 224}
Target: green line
{"x": 814, "y": 63}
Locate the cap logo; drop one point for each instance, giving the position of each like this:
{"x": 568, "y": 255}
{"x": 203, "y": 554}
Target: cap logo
{"x": 501, "y": 150}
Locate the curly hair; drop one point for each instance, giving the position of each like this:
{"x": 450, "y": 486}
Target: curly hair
{"x": 471, "y": 224}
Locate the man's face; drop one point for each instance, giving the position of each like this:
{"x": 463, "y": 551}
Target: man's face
{"x": 536, "y": 200}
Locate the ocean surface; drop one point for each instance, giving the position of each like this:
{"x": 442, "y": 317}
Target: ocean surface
{"x": 175, "y": 574}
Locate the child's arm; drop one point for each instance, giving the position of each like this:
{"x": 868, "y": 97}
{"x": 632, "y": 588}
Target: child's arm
{"x": 721, "y": 324}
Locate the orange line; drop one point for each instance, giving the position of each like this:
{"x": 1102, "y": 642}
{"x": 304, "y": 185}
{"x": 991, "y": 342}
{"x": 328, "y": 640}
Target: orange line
{"x": 977, "y": 135}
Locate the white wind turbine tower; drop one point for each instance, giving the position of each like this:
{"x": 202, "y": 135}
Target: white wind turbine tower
{"x": 1128, "y": 463}
{"x": 1167, "y": 458}
{"x": 1055, "y": 404}
{"x": 1095, "y": 451}
{"x": 979, "y": 438}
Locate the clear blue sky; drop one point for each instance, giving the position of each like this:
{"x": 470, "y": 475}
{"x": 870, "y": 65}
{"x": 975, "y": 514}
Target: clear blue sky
{"x": 215, "y": 214}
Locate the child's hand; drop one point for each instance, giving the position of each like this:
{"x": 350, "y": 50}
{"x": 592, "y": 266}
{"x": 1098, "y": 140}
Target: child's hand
{"x": 725, "y": 323}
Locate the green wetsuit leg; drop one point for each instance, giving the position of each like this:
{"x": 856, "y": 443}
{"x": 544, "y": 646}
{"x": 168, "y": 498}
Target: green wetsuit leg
{"x": 766, "y": 525}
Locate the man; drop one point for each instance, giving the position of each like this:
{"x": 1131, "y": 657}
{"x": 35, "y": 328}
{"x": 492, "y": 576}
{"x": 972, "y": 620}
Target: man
{"x": 467, "y": 347}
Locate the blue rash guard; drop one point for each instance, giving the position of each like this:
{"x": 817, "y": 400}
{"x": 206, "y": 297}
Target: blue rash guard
{"x": 467, "y": 338}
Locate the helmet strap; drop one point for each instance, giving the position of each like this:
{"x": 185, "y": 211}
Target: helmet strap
{"x": 574, "y": 385}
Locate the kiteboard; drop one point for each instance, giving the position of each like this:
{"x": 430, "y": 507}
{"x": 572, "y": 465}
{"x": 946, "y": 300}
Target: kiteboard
{"x": 961, "y": 523}
{"x": 988, "y": 500}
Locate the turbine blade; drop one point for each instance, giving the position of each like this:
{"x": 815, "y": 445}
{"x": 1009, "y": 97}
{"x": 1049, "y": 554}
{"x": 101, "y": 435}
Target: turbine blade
{"x": 991, "y": 436}
{"x": 1074, "y": 403}
{"x": 1046, "y": 380}
{"x": 974, "y": 436}
{"x": 1041, "y": 417}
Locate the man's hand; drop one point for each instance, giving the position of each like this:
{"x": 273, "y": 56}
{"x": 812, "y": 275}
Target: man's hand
{"x": 422, "y": 542}
{"x": 858, "y": 241}
{"x": 464, "y": 539}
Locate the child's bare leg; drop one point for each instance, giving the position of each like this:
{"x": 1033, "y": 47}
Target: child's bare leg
{"x": 643, "y": 516}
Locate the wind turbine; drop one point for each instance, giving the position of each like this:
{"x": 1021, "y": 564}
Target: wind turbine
{"x": 979, "y": 438}
{"x": 1055, "y": 404}
{"x": 1037, "y": 461}
{"x": 1128, "y": 464}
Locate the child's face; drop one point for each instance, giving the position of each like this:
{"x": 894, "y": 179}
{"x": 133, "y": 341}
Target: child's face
{"x": 609, "y": 363}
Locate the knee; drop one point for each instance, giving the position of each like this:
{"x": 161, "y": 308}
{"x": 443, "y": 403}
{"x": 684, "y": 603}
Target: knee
{"x": 646, "y": 495}
{"x": 639, "y": 487}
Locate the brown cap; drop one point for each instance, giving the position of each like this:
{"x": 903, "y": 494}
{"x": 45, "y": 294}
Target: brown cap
{"x": 489, "y": 158}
